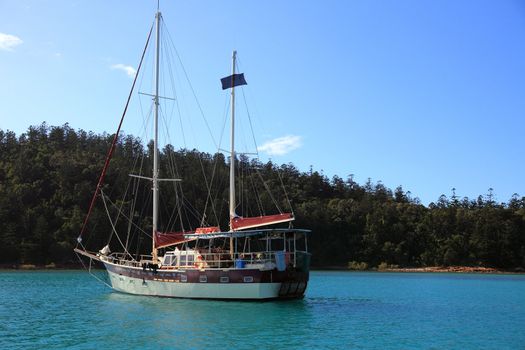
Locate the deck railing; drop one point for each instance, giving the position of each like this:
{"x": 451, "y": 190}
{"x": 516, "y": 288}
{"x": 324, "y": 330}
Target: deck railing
{"x": 219, "y": 260}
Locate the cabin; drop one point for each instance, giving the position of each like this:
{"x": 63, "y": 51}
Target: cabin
{"x": 259, "y": 249}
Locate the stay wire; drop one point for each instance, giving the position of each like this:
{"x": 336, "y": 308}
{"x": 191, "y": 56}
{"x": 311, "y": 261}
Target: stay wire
{"x": 172, "y": 167}
{"x": 110, "y": 152}
{"x": 192, "y": 90}
{"x": 112, "y": 224}
{"x": 207, "y": 183}
{"x": 257, "y": 149}
{"x": 215, "y": 165}
{"x": 116, "y": 207}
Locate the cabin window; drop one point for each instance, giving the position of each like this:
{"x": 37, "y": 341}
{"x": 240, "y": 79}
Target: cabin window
{"x": 186, "y": 260}
{"x": 277, "y": 244}
{"x": 300, "y": 243}
{"x": 174, "y": 261}
{"x": 225, "y": 279}
{"x": 167, "y": 260}
{"x": 248, "y": 279}
{"x": 203, "y": 278}
{"x": 183, "y": 278}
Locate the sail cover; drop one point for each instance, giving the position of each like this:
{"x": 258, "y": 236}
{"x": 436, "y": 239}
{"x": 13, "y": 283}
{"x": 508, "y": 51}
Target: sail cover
{"x": 166, "y": 239}
{"x": 239, "y": 223}
{"x": 233, "y": 80}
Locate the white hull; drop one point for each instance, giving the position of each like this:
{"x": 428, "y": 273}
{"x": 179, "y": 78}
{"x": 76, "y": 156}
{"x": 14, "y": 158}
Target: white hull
{"x": 139, "y": 286}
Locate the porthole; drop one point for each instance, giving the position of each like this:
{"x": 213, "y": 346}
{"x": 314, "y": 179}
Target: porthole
{"x": 225, "y": 279}
{"x": 248, "y": 279}
{"x": 183, "y": 278}
{"x": 203, "y": 278}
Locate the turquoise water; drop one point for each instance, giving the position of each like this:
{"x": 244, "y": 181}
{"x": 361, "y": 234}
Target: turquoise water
{"x": 342, "y": 310}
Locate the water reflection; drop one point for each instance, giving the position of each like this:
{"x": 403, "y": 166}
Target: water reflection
{"x": 194, "y": 323}
{"x": 198, "y": 323}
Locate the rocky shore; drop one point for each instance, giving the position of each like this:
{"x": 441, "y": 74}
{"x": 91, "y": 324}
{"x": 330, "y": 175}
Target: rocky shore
{"x": 461, "y": 269}
{"x": 429, "y": 269}
{"x": 40, "y": 267}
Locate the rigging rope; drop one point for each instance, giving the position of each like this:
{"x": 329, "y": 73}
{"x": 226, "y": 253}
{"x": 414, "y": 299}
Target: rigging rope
{"x": 169, "y": 54}
{"x": 124, "y": 215}
{"x": 89, "y": 269}
{"x": 209, "y": 197}
{"x": 257, "y": 152}
{"x": 191, "y": 87}
{"x": 115, "y": 138}
{"x": 285, "y": 192}
{"x": 113, "y": 225}
{"x": 250, "y": 121}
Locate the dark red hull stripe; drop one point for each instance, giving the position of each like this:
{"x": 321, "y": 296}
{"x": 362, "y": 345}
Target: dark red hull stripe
{"x": 212, "y": 276}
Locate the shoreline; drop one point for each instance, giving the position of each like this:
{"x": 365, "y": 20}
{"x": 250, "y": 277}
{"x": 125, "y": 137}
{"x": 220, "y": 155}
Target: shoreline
{"x": 428, "y": 269}
{"x": 455, "y": 269}
{"x": 32, "y": 267}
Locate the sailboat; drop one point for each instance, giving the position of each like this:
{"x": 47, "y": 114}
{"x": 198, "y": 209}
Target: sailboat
{"x": 252, "y": 260}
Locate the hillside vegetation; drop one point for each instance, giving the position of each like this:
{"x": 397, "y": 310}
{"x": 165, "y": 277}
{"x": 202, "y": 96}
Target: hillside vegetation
{"x": 48, "y": 175}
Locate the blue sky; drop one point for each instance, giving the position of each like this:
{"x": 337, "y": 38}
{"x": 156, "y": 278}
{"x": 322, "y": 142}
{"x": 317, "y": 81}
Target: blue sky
{"x": 429, "y": 95}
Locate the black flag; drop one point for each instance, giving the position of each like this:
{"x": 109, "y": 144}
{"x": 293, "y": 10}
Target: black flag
{"x": 233, "y": 80}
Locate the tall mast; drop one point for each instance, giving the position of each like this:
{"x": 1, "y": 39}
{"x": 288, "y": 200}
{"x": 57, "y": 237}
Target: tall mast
{"x": 155, "y": 139}
{"x": 232, "y": 154}
{"x": 232, "y": 147}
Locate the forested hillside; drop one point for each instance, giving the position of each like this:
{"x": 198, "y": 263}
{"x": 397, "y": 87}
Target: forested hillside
{"x": 48, "y": 175}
